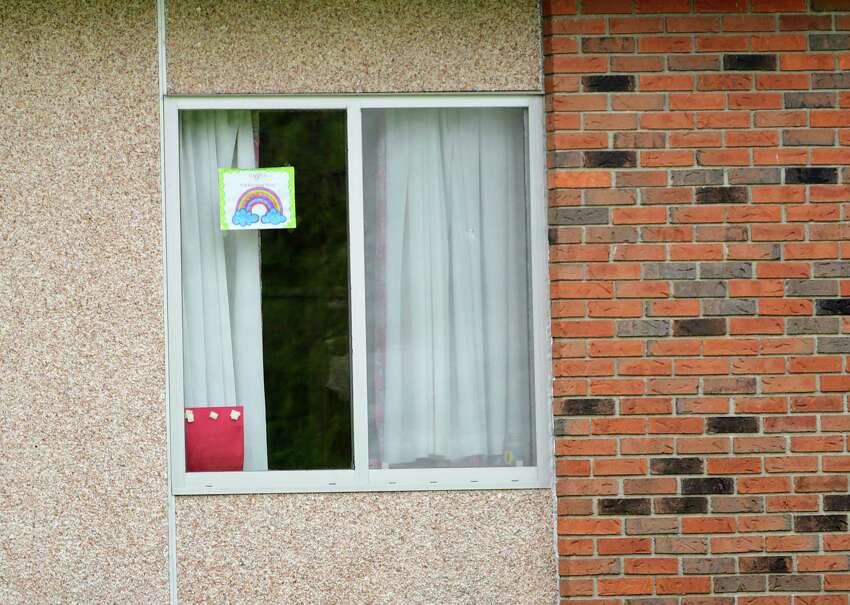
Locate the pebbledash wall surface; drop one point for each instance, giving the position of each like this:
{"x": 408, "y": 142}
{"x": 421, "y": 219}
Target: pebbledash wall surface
{"x": 700, "y": 269}
{"x": 83, "y": 486}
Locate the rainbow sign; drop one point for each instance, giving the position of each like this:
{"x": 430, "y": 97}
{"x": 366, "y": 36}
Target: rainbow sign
{"x": 257, "y": 198}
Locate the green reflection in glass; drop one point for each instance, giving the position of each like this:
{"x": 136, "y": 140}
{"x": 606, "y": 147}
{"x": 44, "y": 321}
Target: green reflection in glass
{"x": 305, "y": 296}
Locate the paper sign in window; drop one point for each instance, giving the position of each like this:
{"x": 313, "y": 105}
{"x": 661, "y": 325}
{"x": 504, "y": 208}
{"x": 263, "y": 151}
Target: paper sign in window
{"x": 257, "y": 198}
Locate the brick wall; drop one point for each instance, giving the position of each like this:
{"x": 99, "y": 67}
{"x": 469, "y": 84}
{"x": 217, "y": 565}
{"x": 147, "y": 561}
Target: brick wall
{"x": 700, "y": 269}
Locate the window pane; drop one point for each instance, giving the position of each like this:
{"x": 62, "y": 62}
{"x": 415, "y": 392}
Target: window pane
{"x": 305, "y": 296}
{"x": 265, "y": 313}
{"x": 447, "y": 288}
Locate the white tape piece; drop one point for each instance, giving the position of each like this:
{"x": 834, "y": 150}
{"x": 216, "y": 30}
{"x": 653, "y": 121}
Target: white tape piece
{"x": 190, "y": 416}
{"x": 214, "y": 415}
{"x": 234, "y": 415}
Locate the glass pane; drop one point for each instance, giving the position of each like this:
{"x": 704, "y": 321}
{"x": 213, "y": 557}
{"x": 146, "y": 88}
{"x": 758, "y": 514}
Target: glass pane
{"x": 305, "y": 296}
{"x": 447, "y": 288}
{"x": 265, "y": 313}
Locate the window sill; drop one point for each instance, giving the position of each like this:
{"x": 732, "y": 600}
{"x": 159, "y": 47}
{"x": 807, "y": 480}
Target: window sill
{"x": 269, "y": 482}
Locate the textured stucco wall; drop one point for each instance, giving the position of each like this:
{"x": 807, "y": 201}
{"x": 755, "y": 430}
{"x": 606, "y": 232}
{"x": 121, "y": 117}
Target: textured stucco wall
{"x": 276, "y": 46}
{"x": 83, "y": 493}
{"x": 419, "y": 547}
{"x": 82, "y": 480}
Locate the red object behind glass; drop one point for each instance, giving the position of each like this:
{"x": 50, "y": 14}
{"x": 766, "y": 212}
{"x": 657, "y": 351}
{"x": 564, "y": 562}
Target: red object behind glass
{"x": 215, "y": 438}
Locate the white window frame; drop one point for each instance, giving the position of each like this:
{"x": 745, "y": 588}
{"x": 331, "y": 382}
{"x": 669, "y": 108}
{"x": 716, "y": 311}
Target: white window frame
{"x": 361, "y": 478}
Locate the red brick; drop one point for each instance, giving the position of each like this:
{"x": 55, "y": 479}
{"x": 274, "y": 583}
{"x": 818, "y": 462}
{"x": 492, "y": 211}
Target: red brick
{"x": 755, "y": 100}
{"x": 776, "y": 42}
{"x": 581, "y": 587}
{"x": 624, "y": 546}
{"x": 811, "y": 251}
{"x": 585, "y": 447}
{"x": 772, "y": 119}
{"x": 786, "y": 503}
{"x": 574, "y": 526}
{"x": 791, "y": 464}
{"x": 773, "y": 157}
{"x": 799, "y": 62}
{"x": 733, "y": 466}
{"x": 720, "y": 6}
{"x": 645, "y": 367}
{"x": 646, "y": 405}
{"x": 748, "y": 23}
{"x": 616, "y": 348}
{"x": 662, "y": 6}
{"x": 778, "y": 193}
{"x": 752, "y": 138}
{"x": 572, "y": 468}
{"x": 610, "y": 121}
{"x": 834, "y": 542}
{"x": 624, "y": 586}
{"x": 763, "y": 523}
{"x": 724, "y": 119}
{"x": 636, "y": 25}
{"x": 603, "y": 6}
{"x": 559, "y": 44}
{"x": 644, "y": 178}
{"x": 708, "y": 525}
{"x": 637, "y": 102}
{"x": 831, "y": 443}
{"x": 587, "y": 487}
{"x": 756, "y": 325}
{"x": 617, "y": 466}
{"x": 575, "y": 546}
{"x": 722, "y": 43}
{"x": 830, "y": 156}
{"x": 633, "y": 64}
{"x": 679, "y": 585}
{"x": 805, "y": 22}
{"x": 800, "y": 543}
{"x": 725, "y": 157}
{"x": 695, "y": 139}
{"x": 779, "y": 6}
{"x": 575, "y": 140}
{"x": 702, "y": 367}
{"x": 693, "y": 24}
{"x": 650, "y": 566}
{"x": 592, "y": 102}
{"x": 655, "y": 159}
{"x": 588, "y": 567}
{"x": 664, "y": 44}
{"x": 559, "y": 7}
{"x": 836, "y": 582}
{"x": 667, "y": 120}
{"x": 782, "y": 81}
{"x": 574, "y": 25}
{"x": 703, "y": 445}
{"x": 832, "y": 483}
{"x": 575, "y": 64}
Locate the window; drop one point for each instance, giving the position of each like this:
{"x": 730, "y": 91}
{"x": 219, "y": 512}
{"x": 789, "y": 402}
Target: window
{"x": 397, "y": 337}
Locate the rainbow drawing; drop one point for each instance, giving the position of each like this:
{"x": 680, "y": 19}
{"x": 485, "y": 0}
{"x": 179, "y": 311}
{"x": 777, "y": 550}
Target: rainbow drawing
{"x": 259, "y": 195}
{"x": 257, "y": 198}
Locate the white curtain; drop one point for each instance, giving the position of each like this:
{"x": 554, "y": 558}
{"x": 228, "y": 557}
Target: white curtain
{"x": 447, "y": 294}
{"x": 222, "y": 329}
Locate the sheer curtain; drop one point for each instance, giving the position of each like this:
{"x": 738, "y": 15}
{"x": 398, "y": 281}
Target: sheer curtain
{"x": 447, "y": 291}
{"x": 222, "y": 330}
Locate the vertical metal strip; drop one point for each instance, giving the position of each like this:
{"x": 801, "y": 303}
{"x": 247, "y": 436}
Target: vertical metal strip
{"x": 356, "y": 238}
{"x": 170, "y": 506}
